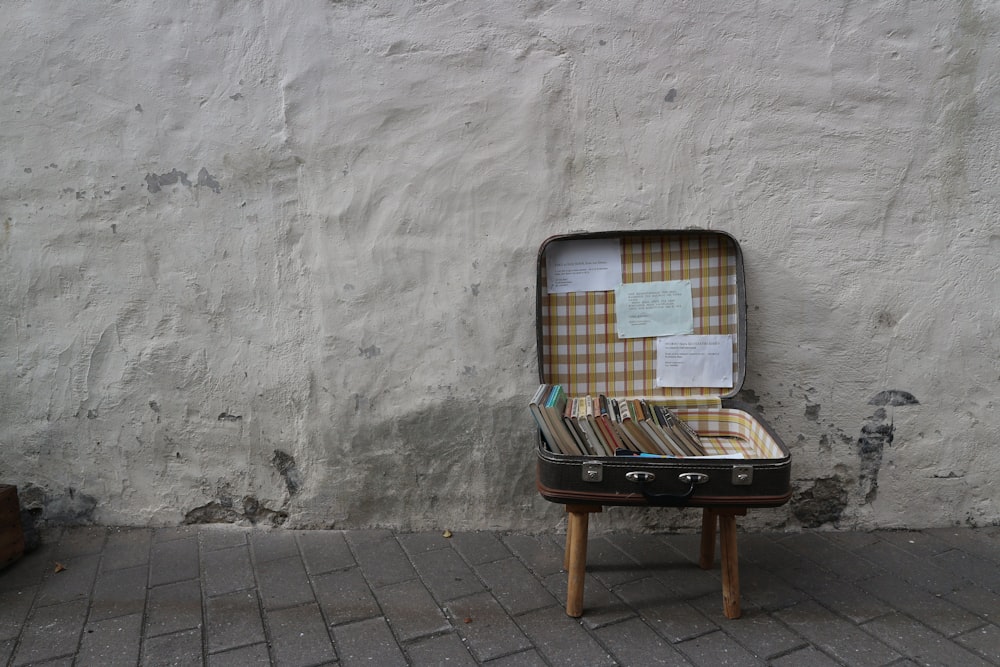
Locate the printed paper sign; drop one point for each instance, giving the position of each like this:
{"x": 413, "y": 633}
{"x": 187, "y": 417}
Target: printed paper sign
{"x": 694, "y": 361}
{"x": 587, "y": 265}
{"x": 646, "y": 310}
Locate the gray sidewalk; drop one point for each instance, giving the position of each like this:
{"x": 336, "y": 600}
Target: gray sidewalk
{"x": 222, "y": 595}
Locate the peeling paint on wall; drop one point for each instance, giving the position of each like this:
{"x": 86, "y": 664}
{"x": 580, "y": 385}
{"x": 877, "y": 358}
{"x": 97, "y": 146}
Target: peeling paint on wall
{"x": 876, "y": 434}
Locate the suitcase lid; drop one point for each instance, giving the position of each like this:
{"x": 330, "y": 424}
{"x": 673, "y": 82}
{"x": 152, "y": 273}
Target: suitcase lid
{"x": 577, "y": 335}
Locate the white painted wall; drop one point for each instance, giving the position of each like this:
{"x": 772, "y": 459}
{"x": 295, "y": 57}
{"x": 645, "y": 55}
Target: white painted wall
{"x": 231, "y": 229}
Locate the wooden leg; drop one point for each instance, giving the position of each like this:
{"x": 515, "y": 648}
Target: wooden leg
{"x": 730, "y": 562}
{"x": 576, "y": 556}
{"x": 706, "y": 557}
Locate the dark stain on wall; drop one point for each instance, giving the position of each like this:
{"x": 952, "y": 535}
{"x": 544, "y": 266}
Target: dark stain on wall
{"x": 823, "y": 502}
{"x": 156, "y": 182}
{"x": 285, "y": 465}
{"x": 228, "y": 510}
{"x": 875, "y": 435}
{"x": 70, "y": 507}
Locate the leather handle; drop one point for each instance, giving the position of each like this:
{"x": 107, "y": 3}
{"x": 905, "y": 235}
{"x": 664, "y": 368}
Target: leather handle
{"x": 692, "y": 479}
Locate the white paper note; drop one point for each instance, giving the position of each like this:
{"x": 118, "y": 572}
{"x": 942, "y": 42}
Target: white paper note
{"x": 694, "y": 361}
{"x": 646, "y": 310}
{"x": 585, "y": 265}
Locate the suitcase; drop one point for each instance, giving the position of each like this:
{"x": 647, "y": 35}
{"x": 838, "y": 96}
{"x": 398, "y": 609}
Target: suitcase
{"x": 694, "y": 279}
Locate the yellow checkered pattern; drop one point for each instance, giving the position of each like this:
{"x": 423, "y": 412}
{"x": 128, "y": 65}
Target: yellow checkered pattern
{"x": 581, "y": 349}
{"x": 726, "y": 431}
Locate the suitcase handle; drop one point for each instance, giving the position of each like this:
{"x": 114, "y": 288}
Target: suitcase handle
{"x": 692, "y": 479}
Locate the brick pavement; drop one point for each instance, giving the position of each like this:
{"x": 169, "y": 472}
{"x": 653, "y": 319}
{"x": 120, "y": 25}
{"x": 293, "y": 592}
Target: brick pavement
{"x": 223, "y": 595}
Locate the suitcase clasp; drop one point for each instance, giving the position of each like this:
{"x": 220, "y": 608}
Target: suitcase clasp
{"x": 592, "y": 471}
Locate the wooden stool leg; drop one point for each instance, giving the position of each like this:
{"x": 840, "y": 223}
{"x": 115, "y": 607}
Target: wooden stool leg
{"x": 730, "y": 566}
{"x": 706, "y": 557}
{"x": 576, "y": 556}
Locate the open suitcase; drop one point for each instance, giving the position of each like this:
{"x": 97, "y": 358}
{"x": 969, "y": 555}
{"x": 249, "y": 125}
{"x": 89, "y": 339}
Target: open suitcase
{"x": 690, "y": 284}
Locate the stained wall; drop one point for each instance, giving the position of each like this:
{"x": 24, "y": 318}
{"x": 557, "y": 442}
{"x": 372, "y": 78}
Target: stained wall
{"x": 274, "y": 262}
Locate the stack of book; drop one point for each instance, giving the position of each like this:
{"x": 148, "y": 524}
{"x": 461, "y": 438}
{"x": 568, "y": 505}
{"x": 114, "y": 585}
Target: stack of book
{"x": 607, "y": 426}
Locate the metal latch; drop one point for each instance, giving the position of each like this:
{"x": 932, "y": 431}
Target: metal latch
{"x": 592, "y": 471}
{"x": 742, "y": 475}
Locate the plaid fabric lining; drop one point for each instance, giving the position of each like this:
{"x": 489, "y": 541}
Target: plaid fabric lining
{"x": 581, "y": 348}
{"x": 729, "y": 431}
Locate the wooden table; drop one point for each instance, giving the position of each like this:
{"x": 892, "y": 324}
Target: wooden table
{"x": 575, "y": 560}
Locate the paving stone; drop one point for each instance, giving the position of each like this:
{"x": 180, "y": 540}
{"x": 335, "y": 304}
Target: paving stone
{"x": 852, "y": 540}
{"x": 119, "y": 593}
{"x": 244, "y": 656}
{"x": 563, "y": 640}
{"x": 835, "y": 636}
{"x": 825, "y": 553}
{"x": 75, "y": 582}
{"x": 540, "y": 553}
{"x": 514, "y": 586}
{"x": 232, "y": 620}
{"x": 983, "y": 543}
{"x": 756, "y": 630}
{"x": 227, "y": 570}
{"x": 763, "y": 588}
{"x": 982, "y": 572}
{"x": 440, "y": 650}
{"x": 717, "y": 649}
{"x": 977, "y": 600}
{"x": 174, "y": 561}
{"x": 382, "y": 560}
{"x": 170, "y": 533}
{"x": 299, "y": 637}
{"x": 345, "y": 597}
{"x": 418, "y": 543}
{"x": 218, "y": 536}
{"x": 14, "y": 608}
{"x": 908, "y": 567}
{"x": 51, "y": 632}
{"x": 600, "y": 606}
{"x": 984, "y": 641}
{"x": 806, "y": 657}
{"x": 657, "y": 558}
{"x": 632, "y": 642}
{"x": 529, "y": 658}
{"x": 446, "y": 575}
{"x": 411, "y": 611}
{"x": 917, "y": 641}
{"x": 932, "y": 610}
{"x": 489, "y": 632}
{"x": 479, "y": 547}
{"x": 325, "y": 551}
{"x": 673, "y": 619}
{"x": 111, "y": 642}
{"x": 126, "y": 548}
{"x": 284, "y": 583}
{"x": 173, "y": 607}
{"x": 844, "y": 597}
{"x": 611, "y": 565}
{"x": 30, "y": 571}
{"x": 179, "y": 649}
{"x": 367, "y": 642}
{"x": 273, "y": 545}
{"x": 918, "y": 543}
{"x": 80, "y": 541}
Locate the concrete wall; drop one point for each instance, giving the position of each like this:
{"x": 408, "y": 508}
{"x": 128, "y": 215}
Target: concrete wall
{"x": 273, "y": 262}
